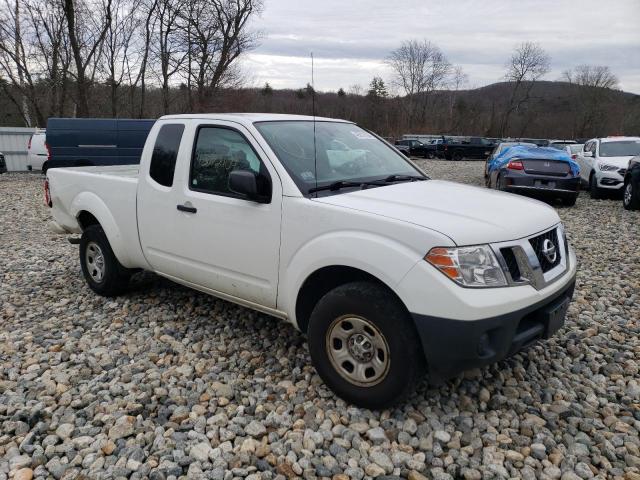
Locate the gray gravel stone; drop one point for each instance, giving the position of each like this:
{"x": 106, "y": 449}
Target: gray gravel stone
{"x": 154, "y": 376}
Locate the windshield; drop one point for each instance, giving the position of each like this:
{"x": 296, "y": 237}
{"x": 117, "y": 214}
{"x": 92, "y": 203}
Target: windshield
{"x": 344, "y": 152}
{"x": 577, "y": 148}
{"x": 622, "y": 148}
{"x": 560, "y": 145}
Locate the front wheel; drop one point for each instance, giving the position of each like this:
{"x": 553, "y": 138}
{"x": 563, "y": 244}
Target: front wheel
{"x": 101, "y": 269}
{"x": 457, "y": 156}
{"x": 364, "y": 345}
{"x": 594, "y": 191}
{"x": 630, "y": 197}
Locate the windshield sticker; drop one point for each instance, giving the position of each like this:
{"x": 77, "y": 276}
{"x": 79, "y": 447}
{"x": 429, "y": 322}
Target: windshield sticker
{"x": 362, "y": 135}
{"x": 307, "y": 176}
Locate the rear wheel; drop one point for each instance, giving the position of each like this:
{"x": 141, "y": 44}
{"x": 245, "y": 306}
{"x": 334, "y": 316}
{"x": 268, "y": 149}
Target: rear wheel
{"x": 570, "y": 201}
{"x": 101, "y": 269}
{"x": 364, "y": 345}
{"x": 594, "y": 190}
{"x": 631, "y": 196}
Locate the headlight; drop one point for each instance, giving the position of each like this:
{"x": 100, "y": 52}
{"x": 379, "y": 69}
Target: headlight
{"x": 475, "y": 266}
{"x": 607, "y": 168}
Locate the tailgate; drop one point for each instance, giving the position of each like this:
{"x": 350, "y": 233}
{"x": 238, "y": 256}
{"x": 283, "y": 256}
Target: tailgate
{"x": 554, "y": 168}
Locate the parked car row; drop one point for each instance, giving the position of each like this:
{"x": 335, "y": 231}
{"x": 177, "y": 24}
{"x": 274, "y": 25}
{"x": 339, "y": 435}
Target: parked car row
{"x": 456, "y": 148}
{"x": 604, "y": 165}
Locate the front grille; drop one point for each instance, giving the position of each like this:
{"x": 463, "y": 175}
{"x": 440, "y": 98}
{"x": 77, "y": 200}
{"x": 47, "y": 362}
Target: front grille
{"x": 538, "y": 245}
{"x": 512, "y": 263}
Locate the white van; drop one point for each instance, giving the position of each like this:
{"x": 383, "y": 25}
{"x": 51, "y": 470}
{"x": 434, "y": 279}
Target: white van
{"x": 37, "y": 151}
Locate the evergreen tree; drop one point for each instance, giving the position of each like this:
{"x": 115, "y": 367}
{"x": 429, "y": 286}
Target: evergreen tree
{"x": 377, "y": 89}
{"x": 267, "y": 89}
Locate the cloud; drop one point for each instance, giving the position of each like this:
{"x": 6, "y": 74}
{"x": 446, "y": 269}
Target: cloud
{"x": 351, "y": 39}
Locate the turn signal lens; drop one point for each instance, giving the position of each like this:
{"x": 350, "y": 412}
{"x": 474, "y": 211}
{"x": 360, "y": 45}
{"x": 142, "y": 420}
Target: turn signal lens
{"x": 475, "y": 266}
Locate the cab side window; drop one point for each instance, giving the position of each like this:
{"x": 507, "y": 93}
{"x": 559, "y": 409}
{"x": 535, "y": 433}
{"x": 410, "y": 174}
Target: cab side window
{"x": 219, "y": 151}
{"x": 165, "y": 152}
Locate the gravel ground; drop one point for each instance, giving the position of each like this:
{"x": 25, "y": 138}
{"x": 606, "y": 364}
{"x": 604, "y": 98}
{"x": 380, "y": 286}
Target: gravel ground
{"x": 165, "y": 382}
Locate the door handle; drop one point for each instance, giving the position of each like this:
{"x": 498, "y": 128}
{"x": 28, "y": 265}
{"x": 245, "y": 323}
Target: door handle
{"x": 187, "y": 208}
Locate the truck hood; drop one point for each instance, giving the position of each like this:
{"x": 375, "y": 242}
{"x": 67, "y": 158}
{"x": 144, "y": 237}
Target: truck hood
{"x": 466, "y": 214}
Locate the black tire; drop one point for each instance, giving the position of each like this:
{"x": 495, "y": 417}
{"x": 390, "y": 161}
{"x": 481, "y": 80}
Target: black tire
{"x": 569, "y": 201}
{"x": 630, "y": 196}
{"x": 429, "y": 156}
{"x": 115, "y": 277}
{"x": 499, "y": 182}
{"x": 376, "y": 305}
{"x": 457, "y": 156}
{"x": 594, "y": 191}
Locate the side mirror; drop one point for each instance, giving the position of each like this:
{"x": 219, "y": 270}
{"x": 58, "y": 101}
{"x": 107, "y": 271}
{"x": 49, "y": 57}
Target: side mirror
{"x": 587, "y": 154}
{"x": 245, "y": 182}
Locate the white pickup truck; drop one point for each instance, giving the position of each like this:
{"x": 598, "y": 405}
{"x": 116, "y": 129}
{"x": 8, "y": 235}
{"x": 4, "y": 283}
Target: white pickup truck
{"x": 321, "y": 223}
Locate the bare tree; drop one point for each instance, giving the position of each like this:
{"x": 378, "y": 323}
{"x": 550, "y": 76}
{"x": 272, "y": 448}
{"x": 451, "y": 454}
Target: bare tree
{"x": 137, "y": 72}
{"x": 118, "y": 44}
{"x": 595, "y": 76}
{"x": 458, "y": 80}
{"x": 53, "y": 56}
{"x": 594, "y": 85}
{"x": 420, "y": 68}
{"x": 165, "y": 45}
{"x": 15, "y": 61}
{"x": 528, "y": 63}
{"x": 216, "y": 34}
{"x": 87, "y": 26}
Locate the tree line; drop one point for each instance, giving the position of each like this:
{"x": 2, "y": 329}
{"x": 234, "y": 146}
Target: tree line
{"x": 146, "y": 58}
{"x": 54, "y": 54}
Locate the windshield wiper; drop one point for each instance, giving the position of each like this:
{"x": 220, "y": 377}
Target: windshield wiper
{"x": 342, "y": 184}
{"x": 362, "y": 185}
{"x": 402, "y": 178}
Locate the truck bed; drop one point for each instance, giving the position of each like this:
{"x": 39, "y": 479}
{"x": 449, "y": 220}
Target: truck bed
{"x": 111, "y": 192}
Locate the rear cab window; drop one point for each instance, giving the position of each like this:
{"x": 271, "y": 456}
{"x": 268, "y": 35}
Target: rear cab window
{"x": 165, "y": 152}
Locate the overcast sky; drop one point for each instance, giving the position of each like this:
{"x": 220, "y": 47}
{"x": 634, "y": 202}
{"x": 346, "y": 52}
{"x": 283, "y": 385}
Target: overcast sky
{"x": 351, "y": 38}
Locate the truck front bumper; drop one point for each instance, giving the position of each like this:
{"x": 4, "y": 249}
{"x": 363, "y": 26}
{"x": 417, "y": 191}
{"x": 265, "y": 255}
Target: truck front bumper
{"x": 452, "y": 346}
{"x": 611, "y": 180}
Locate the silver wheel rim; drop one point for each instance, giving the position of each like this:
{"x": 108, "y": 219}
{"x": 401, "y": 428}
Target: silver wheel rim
{"x": 627, "y": 194}
{"x": 357, "y": 350}
{"x": 94, "y": 259}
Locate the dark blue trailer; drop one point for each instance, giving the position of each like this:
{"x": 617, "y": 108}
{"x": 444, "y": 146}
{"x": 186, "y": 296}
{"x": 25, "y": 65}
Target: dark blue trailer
{"x": 81, "y": 142}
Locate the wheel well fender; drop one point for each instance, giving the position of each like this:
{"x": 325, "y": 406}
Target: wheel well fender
{"x": 325, "y": 279}
{"x": 89, "y": 209}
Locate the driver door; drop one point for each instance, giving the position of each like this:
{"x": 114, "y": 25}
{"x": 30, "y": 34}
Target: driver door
{"x": 219, "y": 240}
